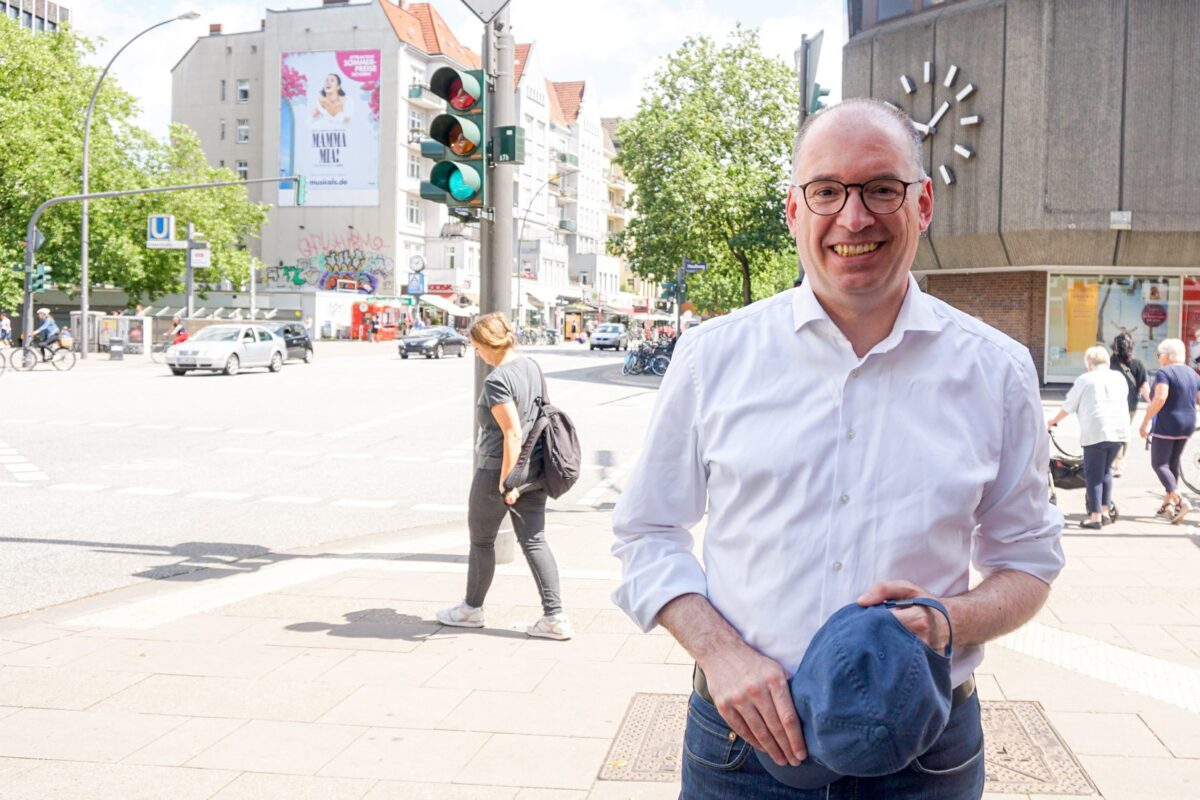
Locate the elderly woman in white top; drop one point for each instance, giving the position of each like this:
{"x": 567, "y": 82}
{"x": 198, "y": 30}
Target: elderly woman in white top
{"x": 1099, "y": 397}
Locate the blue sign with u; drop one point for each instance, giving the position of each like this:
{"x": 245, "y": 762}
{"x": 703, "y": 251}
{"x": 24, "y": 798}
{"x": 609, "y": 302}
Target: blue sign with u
{"x": 160, "y": 228}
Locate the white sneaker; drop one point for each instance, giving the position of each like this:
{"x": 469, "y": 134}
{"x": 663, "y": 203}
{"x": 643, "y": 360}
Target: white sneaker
{"x": 461, "y": 616}
{"x": 552, "y": 626}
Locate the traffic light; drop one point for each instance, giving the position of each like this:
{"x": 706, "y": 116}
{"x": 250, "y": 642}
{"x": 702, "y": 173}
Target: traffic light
{"x": 459, "y": 140}
{"x": 37, "y": 281}
{"x": 815, "y": 103}
{"x": 301, "y": 189}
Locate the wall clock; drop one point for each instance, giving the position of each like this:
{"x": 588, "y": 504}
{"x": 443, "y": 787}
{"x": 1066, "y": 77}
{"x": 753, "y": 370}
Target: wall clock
{"x": 954, "y": 98}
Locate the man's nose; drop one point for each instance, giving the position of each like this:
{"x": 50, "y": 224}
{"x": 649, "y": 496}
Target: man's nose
{"x": 855, "y": 215}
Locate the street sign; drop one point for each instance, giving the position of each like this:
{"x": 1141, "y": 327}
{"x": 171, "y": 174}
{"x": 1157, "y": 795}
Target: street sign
{"x": 486, "y": 10}
{"x": 157, "y": 245}
{"x": 200, "y": 257}
{"x": 160, "y": 228}
{"x": 416, "y": 283}
{"x": 694, "y": 266}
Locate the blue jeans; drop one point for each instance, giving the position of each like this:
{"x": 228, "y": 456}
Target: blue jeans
{"x": 1097, "y": 474}
{"x": 718, "y": 765}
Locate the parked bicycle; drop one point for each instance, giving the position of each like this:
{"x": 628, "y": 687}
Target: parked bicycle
{"x": 649, "y": 357}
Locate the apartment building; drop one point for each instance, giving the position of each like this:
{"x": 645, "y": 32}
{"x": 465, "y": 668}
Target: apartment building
{"x": 35, "y": 15}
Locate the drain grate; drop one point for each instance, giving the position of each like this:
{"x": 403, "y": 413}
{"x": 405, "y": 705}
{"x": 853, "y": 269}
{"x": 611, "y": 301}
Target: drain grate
{"x": 1024, "y": 752}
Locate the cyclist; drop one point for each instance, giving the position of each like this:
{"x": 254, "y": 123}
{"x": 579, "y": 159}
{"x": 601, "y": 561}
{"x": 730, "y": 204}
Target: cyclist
{"x": 49, "y": 332}
{"x": 5, "y": 330}
{"x": 178, "y": 333}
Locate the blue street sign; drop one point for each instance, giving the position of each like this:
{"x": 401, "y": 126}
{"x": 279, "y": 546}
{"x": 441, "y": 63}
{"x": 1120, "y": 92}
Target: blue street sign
{"x": 160, "y": 228}
{"x": 416, "y": 283}
{"x": 694, "y": 266}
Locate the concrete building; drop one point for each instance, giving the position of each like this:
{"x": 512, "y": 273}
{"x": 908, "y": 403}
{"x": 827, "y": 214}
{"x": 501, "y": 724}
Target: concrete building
{"x": 35, "y": 15}
{"x": 1062, "y": 142}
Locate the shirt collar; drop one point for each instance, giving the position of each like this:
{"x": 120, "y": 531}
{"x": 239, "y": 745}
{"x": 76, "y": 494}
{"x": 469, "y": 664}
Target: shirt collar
{"x": 916, "y": 312}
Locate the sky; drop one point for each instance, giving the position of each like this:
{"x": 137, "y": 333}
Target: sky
{"x": 635, "y": 34}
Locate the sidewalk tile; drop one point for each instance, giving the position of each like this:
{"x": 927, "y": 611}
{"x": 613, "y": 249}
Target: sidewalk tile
{"x": 680, "y": 656}
{"x": 483, "y": 643}
{"x": 405, "y": 790}
{"x": 1144, "y": 778}
{"x": 588, "y": 713}
{"x": 393, "y": 669}
{"x": 1187, "y": 635}
{"x": 1116, "y": 612}
{"x": 66, "y": 780}
{"x": 210, "y": 628}
{"x": 230, "y": 660}
{"x": 33, "y": 633}
{"x": 988, "y": 688}
{"x": 385, "y": 706}
{"x": 401, "y": 754}
{"x": 1100, "y": 631}
{"x": 175, "y": 748}
{"x": 1107, "y": 734}
{"x": 341, "y": 635}
{"x": 257, "y": 786}
{"x": 294, "y": 748}
{"x": 642, "y": 649}
{"x": 56, "y": 653}
{"x": 613, "y": 620}
{"x": 236, "y": 698}
{"x": 592, "y": 648}
{"x": 309, "y": 665}
{"x": 619, "y": 678}
{"x": 1155, "y": 640}
{"x": 551, "y": 762}
{"x": 9, "y": 647}
{"x": 500, "y": 673}
{"x": 629, "y": 790}
{"x": 1022, "y": 677}
{"x": 551, "y": 794}
{"x": 12, "y": 767}
{"x": 278, "y": 605}
{"x": 79, "y": 735}
{"x": 62, "y": 688}
{"x": 1178, "y": 729}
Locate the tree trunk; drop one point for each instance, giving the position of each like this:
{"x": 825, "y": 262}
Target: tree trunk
{"x": 744, "y": 264}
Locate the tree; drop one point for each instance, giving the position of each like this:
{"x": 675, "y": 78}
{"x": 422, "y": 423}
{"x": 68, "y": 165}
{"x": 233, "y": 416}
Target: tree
{"x": 709, "y": 155}
{"x": 44, "y": 93}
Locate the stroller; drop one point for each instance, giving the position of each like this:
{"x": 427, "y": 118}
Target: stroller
{"x": 1066, "y": 470}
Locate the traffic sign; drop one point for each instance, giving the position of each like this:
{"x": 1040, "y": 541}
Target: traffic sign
{"x": 694, "y": 266}
{"x": 160, "y": 228}
{"x": 159, "y": 245}
{"x": 416, "y": 283}
{"x": 486, "y": 10}
{"x": 200, "y": 257}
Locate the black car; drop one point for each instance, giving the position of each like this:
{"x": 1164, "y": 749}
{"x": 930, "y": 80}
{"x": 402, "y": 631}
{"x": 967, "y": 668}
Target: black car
{"x": 434, "y": 343}
{"x": 295, "y": 336}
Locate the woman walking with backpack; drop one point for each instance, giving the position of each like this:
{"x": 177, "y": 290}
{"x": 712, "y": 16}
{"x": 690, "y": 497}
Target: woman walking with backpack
{"x": 1134, "y": 370}
{"x": 505, "y": 412}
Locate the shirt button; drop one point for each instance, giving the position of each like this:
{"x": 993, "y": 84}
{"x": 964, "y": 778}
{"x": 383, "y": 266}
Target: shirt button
{"x": 850, "y": 434}
{"x": 845, "y": 499}
{"x": 854, "y": 373}
{"x": 837, "y": 566}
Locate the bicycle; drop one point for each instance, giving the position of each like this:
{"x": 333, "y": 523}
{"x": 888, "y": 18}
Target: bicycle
{"x": 158, "y": 352}
{"x": 23, "y": 359}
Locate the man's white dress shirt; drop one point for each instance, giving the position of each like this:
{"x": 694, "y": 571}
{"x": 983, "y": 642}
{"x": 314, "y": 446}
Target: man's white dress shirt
{"x": 822, "y": 472}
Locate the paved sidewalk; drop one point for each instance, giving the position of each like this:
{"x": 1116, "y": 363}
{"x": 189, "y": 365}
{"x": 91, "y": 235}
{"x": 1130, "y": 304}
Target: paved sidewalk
{"x": 322, "y": 674}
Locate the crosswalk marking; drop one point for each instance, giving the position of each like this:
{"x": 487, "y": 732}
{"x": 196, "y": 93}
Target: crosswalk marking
{"x": 218, "y": 495}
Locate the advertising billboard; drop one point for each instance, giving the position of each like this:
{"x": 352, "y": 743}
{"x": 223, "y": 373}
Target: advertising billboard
{"x": 329, "y": 126}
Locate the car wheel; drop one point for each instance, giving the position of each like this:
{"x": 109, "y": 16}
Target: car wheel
{"x": 437, "y": 352}
{"x": 232, "y": 365}
{"x": 403, "y": 354}
{"x": 308, "y": 355}
{"x": 462, "y": 349}
{"x": 591, "y": 347}
{"x": 178, "y": 371}
{"x": 276, "y": 363}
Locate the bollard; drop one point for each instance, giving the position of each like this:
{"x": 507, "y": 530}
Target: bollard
{"x": 116, "y": 349}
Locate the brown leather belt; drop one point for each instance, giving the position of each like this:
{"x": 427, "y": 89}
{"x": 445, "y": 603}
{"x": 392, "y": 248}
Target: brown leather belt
{"x": 960, "y": 694}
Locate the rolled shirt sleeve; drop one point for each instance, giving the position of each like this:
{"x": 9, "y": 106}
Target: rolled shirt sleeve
{"x": 1019, "y": 529}
{"x": 666, "y": 495}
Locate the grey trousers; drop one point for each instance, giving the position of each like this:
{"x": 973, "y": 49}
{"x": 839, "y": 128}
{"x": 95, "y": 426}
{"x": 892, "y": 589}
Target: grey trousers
{"x": 486, "y": 510}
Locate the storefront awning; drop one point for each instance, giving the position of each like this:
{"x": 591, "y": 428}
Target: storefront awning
{"x": 442, "y": 304}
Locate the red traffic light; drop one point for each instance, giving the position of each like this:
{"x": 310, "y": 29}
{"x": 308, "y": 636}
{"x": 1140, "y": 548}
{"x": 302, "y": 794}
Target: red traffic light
{"x": 461, "y": 90}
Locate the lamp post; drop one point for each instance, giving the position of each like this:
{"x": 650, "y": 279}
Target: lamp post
{"x": 83, "y": 226}
{"x": 521, "y": 238}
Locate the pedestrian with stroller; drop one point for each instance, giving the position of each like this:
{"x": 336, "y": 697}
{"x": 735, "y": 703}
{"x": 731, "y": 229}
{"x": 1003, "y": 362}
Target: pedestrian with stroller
{"x": 506, "y": 411}
{"x": 1134, "y": 371}
{"x": 1172, "y": 411}
{"x": 1099, "y": 397}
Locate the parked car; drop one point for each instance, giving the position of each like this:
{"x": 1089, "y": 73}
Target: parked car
{"x": 609, "y": 335}
{"x": 434, "y": 343}
{"x": 228, "y": 349}
{"x": 295, "y": 338}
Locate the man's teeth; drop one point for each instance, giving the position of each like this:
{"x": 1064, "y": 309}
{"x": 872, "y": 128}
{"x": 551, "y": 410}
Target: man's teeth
{"x": 855, "y": 249}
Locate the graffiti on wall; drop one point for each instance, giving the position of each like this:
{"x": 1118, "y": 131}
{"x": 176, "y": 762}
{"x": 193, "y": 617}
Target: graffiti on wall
{"x": 348, "y": 261}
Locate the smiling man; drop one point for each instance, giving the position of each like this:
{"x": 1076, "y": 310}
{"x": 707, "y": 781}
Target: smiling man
{"x": 852, "y": 441}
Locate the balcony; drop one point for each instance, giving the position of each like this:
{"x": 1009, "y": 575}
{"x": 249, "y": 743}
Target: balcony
{"x": 567, "y": 194}
{"x": 616, "y": 181}
{"x": 616, "y": 210}
{"x": 567, "y": 225}
{"x": 415, "y": 137}
{"x": 421, "y": 97}
{"x": 568, "y": 163}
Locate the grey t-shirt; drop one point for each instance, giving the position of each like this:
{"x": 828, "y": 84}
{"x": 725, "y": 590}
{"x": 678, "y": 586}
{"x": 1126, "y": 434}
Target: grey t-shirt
{"x": 518, "y": 381}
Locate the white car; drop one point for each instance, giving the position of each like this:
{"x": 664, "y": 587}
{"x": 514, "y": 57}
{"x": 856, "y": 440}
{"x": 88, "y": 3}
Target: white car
{"x": 609, "y": 335}
{"x": 228, "y": 349}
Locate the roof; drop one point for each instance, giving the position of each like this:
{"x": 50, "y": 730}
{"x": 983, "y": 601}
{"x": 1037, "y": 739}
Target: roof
{"x": 420, "y": 25}
{"x": 519, "y": 59}
{"x": 570, "y": 98}
{"x": 556, "y": 113}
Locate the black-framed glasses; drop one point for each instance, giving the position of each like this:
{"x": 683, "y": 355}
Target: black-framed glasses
{"x": 880, "y": 196}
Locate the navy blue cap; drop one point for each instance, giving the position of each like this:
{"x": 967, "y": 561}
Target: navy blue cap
{"x": 871, "y": 696}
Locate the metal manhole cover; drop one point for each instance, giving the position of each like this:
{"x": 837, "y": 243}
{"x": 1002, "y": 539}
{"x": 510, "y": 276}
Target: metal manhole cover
{"x": 1024, "y": 753}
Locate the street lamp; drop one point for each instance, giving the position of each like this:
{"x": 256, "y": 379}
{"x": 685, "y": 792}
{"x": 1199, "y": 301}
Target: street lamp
{"x": 83, "y": 226}
{"x": 521, "y": 237}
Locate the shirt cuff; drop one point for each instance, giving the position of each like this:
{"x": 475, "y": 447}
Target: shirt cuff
{"x": 643, "y": 594}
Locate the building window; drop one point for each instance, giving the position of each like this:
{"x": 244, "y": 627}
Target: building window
{"x": 13, "y": 12}
{"x": 414, "y": 212}
{"x": 894, "y": 8}
{"x": 253, "y": 49}
{"x": 414, "y": 167}
{"x": 222, "y": 130}
{"x": 228, "y": 50}
{"x": 243, "y": 91}
{"x": 243, "y": 170}
{"x": 243, "y": 131}
{"x": 222, "y": 90}
{"x": 221, "y": 163}
{"x": 416, "y": 120}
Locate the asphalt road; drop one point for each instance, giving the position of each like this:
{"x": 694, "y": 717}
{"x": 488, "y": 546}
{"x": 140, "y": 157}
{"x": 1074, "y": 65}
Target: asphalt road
{"x": 117, "y": 473}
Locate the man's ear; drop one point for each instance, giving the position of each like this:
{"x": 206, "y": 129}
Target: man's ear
{"x": 925, "y": 205}
{"x": 792, "y": 209}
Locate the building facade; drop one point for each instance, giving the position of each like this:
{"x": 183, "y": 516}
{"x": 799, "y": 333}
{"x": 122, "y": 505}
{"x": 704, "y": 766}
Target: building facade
{"x": 1061, "y": 138}
{"x": 35, "y": 15}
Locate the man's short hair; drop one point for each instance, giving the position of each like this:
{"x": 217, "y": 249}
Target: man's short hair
{"x": 1173, "y": 349}
{"x": 877, "y": 108}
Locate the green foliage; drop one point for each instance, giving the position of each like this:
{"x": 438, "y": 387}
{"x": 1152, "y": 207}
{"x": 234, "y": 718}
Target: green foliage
{"x": 44, "y": 93}
{"x": 709, "y": 155}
